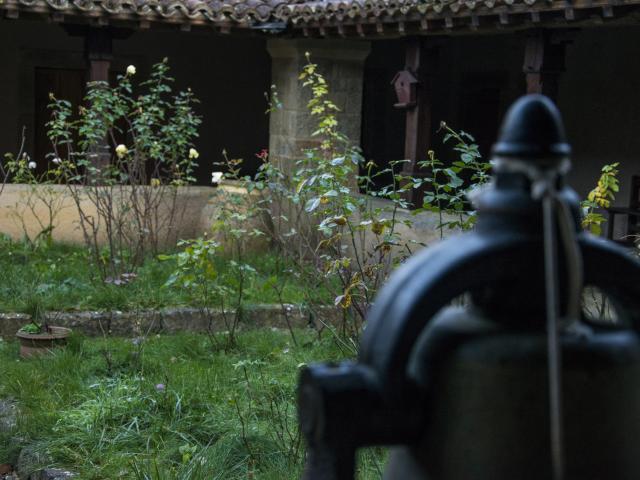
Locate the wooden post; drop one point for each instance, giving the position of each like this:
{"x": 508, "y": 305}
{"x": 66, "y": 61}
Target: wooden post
{"x": 421, "y": 59}
{"x": 98, "y": 44}
{"x": 544, "y": 58}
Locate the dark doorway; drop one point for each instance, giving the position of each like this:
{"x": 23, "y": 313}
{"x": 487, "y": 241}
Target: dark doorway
{"x": 383, "y": 125}
{"x": 480, "y": 108}
{"x": 65, "y": 84}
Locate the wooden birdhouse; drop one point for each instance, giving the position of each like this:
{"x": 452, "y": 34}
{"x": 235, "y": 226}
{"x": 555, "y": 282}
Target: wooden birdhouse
{"x": 406, "y": 85}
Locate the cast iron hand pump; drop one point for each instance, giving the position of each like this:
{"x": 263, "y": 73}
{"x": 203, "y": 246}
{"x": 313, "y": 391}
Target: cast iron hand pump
{"x": 516, "y": 385}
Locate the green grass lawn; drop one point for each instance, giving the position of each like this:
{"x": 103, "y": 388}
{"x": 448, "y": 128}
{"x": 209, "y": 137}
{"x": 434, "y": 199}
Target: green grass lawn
{"x": 62, "y": 278}
{"x": 171, "y": 407}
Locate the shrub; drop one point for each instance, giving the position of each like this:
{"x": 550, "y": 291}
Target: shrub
{"x": 127, "y": 154}
{"x": 43, "y": 201}
{"x": 317, "y": 218}
{"x": 447, "y": 193}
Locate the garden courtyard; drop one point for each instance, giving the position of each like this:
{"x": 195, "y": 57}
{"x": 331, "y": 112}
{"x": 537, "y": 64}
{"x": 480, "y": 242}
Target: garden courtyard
{"x": 183, "y": 354}
{"x": 180, "y": 356}
{"x": 154, "y": 325}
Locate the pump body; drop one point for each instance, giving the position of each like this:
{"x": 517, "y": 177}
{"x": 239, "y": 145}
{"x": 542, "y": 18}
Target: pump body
{"x": 487, "y": 410}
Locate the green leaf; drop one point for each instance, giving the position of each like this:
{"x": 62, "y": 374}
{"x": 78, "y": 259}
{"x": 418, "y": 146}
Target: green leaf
{"x": 312, "y": 204}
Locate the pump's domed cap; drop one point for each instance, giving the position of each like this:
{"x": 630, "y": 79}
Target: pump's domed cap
{"x": 533, "y": 129}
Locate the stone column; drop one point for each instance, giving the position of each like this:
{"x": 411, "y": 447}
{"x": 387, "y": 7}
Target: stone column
{"x": 342, "y": 64}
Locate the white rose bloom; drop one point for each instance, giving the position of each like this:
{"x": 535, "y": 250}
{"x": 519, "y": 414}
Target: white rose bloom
{"x": 193, "y": 153}
{"x": 57, "y": 161}
{"x": 216, "y": 177}
{"x": 131, "y": 70}
{"x": 121, "y": 150}
{"x": 32, "y": 165}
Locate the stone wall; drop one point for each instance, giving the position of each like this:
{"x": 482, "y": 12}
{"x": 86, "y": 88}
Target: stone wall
{"x": 176, "y": 320}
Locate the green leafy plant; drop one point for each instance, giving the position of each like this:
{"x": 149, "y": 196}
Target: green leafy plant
{"x": 32, "y": 328}
{"x": 196, "y": 272}
{"x": 595, "y": 302}
{"x": 320, "y": 214}
{"x": 123, "y": 160}
{"x": 34, "y": 307}
{"x": 600, "y": 197}
{"x": 448, "y": 187}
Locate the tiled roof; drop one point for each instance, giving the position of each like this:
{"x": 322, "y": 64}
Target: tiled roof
{"x": 341, "y": 10}
{"x": 346, "y": 9}
{"x": 363, "y": 12}
{"x": 300, "y": 13}
{"x": 234, "y": 11}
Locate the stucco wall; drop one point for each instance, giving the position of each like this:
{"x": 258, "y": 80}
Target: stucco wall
{"x": 196, "y": 208}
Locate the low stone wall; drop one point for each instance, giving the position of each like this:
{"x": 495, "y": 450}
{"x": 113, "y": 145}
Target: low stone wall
{"x": 175, "y": 320}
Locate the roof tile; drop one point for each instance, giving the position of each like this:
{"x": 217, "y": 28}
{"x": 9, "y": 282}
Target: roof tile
{"x": 294, "y": 12}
